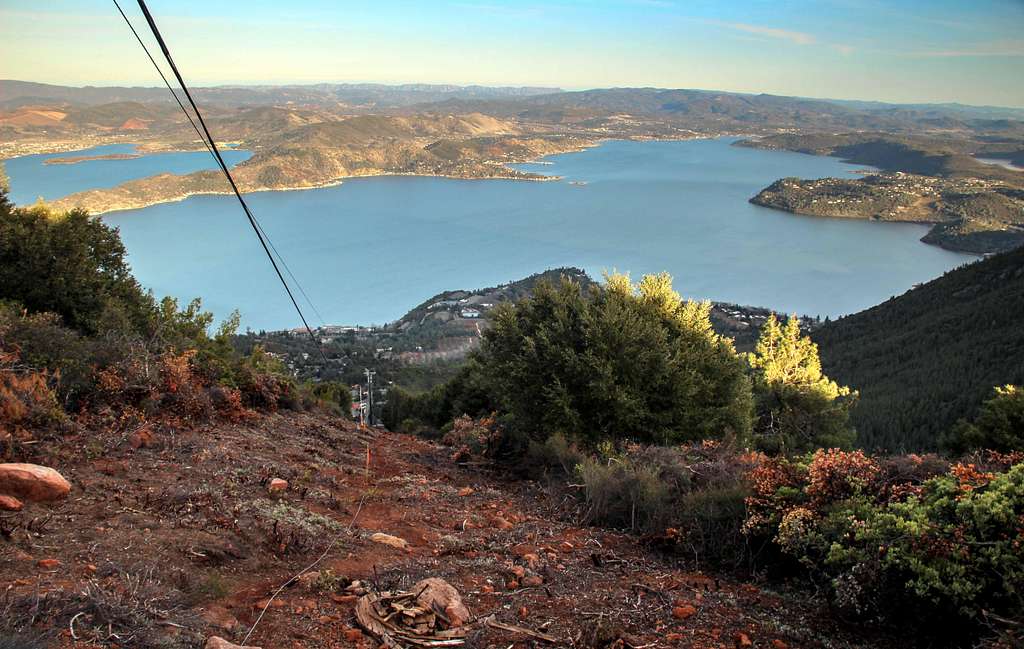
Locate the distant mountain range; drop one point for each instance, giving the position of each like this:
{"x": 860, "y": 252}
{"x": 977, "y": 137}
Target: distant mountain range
{"x": 14, "y": 94}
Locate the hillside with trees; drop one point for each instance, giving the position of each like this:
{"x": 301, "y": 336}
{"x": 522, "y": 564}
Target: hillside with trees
{"x": 929, "y": 357}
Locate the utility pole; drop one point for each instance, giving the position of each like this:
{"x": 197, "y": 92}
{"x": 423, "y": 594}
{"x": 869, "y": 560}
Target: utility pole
{"x": 369, "y": 396}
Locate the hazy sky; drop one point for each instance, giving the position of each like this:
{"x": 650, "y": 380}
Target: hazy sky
{"x": 970, "y": 51}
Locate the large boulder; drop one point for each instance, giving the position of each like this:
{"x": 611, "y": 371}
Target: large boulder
{"x": 32, "y": 482}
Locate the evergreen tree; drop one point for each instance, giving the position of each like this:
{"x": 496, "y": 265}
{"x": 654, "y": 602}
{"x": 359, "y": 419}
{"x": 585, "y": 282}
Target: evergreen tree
{"x": 624, "y": 361}
{"x": 798, "y": 407}
{"x": 999, "y": 425}
{"x": 70, "y": 264}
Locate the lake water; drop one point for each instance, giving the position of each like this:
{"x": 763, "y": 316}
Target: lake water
{"x": 1000, "y": 162}
{"x": 31, "y": 177}
{"x": 370, "y": 249}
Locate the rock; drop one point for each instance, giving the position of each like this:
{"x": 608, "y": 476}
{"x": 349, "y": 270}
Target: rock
{"x": 216, "y": 642}
{"x": 10, "y": 504}
{"x": 393, "y": 541}
{"x": 743, "y": 640}
{"x": 142, "y": 438}
{"x": 32, "y": 482}
{"x": 684, "y": 611}
{"x": 502, "y": 524}
{"x": 533, "y": 580}
{"x": 466, "y": 491}
{"x": 48, "y": 564}
{"x": 518, "y": 571}
{"x": 277, "y": 485}
{"x": 435, "y": 591}
{"x": 779, "y": 644}
{"x": 220, "y": 617}
{"x": 308, "y": 579}
{"x": 353, "y": 635}
{"x": 531, "y": 560}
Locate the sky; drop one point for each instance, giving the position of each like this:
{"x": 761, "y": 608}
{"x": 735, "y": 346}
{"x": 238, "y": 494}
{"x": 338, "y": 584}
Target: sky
{"x": 968, "y": 51}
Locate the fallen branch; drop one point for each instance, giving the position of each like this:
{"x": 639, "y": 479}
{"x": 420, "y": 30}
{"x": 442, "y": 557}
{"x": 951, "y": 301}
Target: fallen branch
{"x": 512, "y": 628}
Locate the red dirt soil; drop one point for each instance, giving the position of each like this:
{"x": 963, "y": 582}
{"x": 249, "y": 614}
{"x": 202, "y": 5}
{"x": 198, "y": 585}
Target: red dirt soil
{"x": 189, "y": 511}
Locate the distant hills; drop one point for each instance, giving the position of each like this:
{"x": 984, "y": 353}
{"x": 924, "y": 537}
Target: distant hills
{"x": 930, "y": 356}
{"x": 14, "y": 93}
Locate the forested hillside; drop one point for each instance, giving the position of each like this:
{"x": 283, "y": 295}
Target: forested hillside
{"x": 931, "y": 356}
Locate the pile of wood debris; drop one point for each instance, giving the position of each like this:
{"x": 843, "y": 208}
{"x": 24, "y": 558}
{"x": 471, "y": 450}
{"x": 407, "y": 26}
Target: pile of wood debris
{"x": 431, "y": 614}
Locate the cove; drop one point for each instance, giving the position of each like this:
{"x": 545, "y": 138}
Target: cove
{"x": 371, "y": 248}
{"x": 31, "y": 177}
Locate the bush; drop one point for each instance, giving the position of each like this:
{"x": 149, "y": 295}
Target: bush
{"x": 942, "y": 550}
{"x": 691, "y": 498}
{"x": 622, "y": 362}
{"x": 999, "y": 425}
{"x": 27, "y": 401}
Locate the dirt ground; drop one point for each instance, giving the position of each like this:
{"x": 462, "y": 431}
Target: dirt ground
{"x": 170, "y": 536}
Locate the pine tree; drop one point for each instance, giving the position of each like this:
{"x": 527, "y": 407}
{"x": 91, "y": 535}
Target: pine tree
{"x": 798, "y": 407}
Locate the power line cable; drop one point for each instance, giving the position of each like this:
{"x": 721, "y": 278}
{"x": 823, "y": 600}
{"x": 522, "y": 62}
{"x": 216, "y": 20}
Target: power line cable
{"x": 227, "y": 173}
{"x": 210, "y": 151}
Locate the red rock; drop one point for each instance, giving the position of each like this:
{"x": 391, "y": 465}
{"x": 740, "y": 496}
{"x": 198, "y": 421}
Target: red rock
{"x": 277, "y": 485}
{"x": 48, "y": 563}
{"x": 91, "y": 569}
{"x": 502, "y": 524}
{"x": 684, "y": 612}
{"x": 674, "y": 637}
{"x": 353, "y": 635}
{"x": 743, "y": 640}
{"x": 523, "y": 550}
{"x": 32, "y": 482}
{"x": 779, "y": 644}
{"x": 565, "y": 546}
{"x": 393, "y": 541}
{"x": 518, "y": 571}
{"x": 466, "y": 491}
{"x": 533, "y": 580}
{"x": 142, "y": 438}
{"x": 523, "y": 612}
{"x": 487, "y": 588}
{"x": 10, "y": 504}
{"x": 531, "y": 559}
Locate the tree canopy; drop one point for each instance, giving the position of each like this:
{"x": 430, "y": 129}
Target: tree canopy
{"x": 798, "y": 407}
{"x": 624, "y": 361}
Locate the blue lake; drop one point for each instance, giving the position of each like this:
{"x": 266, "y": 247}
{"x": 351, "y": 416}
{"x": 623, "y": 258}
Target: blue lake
{"x": 31, "y": 177}
{"x": 368, "y": 250}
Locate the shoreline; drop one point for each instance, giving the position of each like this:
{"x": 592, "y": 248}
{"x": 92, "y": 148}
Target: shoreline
{"x": 526, "y": 176}
{"x": 333, "y": 183}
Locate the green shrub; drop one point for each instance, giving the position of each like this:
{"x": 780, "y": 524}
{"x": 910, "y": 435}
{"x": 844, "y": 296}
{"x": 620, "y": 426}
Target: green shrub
{"x": 556, "y": 453}
{"x": 621, "y": 362}
{"x": 943, "y": 551}
{"x": 692, "y": 497}
{"x": 999, "y": 425}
